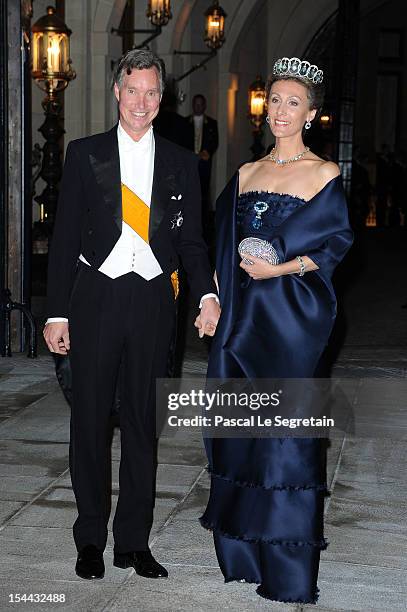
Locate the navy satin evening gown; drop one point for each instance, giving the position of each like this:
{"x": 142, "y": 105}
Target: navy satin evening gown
{"x": 267, "y": 494}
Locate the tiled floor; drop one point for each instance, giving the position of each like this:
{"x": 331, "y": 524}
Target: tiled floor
{"x": 364, "y": 568}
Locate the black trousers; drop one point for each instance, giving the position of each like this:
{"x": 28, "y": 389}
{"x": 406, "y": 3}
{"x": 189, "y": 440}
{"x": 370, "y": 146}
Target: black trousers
{"x": 125, "y": 325}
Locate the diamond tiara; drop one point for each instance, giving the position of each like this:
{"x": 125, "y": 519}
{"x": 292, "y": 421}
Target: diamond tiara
{"x": 299, "y": 69}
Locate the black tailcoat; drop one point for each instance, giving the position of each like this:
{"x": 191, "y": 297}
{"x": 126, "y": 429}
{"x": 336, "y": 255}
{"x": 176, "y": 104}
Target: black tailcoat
{"x": 89, "y": 215}
{"x": 120, "y": 329}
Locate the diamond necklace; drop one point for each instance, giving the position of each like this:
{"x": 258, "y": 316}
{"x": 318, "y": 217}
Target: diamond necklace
{"x": 289, "y": 160}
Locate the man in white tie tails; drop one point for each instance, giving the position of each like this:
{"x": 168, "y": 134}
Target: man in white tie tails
{"x": 129, "y": 210}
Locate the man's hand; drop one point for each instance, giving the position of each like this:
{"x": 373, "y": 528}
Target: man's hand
{"x": 204, "y": 155}
{"x": 207, "y": 320}
{"x": 56, "y": 336}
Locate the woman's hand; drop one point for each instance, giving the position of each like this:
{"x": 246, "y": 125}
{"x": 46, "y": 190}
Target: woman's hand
{"x": 260, "y": 269}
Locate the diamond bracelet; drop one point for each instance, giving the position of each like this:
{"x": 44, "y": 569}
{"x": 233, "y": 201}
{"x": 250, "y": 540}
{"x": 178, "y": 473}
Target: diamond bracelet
{"x": 302, "y": 265}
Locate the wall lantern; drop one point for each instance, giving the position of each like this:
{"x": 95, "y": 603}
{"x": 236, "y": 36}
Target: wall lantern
{"x": 257, "y": 109}
{"x": 215, "y": 26}
{"x": 325, "y": 120}
{"x": 214, "y": 38}
{"x": 159, "y": 12}
{"x": 52, "y": 71}
{"x": 257, "y": 103}
{"x": 51, "y": 64}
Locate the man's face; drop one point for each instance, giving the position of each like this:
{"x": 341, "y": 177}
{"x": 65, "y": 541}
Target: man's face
{"x": 199, "y": 105}
{"x": 139, "y": 101}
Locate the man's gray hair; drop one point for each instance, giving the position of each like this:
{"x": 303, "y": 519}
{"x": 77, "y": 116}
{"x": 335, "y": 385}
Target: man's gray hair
{"x": 141, "y": 59}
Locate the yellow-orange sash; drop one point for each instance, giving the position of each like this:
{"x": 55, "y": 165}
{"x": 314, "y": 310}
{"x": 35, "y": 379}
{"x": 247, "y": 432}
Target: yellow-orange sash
{"x": 135, "y": 212}
{"x": 175, "y": 283}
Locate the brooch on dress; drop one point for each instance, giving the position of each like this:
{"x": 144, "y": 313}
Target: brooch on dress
{"x": 177, "y": 220}
{"x": 260, "y": 208}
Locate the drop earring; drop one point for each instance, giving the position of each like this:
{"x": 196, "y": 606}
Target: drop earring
{"x": 307, "y": 125}
{"x": 267, "y": 119}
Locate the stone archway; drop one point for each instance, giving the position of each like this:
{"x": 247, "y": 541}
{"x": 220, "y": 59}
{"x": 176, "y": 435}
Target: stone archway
{"x": 106, "y": 48}
{"x": 181, "y": 21}
{"x": 229, "y": 85}
{"x": 290, "y": 27}
{"x": 88, "y": 101}
{"x": 107, "y": 14}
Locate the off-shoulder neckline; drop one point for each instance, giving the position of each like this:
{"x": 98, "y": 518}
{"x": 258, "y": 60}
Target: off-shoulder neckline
{"x": 276, "y": 193}
{"x": 289, "y": 194}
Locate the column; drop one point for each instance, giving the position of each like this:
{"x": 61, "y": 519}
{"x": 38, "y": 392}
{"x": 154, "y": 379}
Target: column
{"x": 346, "y": 53}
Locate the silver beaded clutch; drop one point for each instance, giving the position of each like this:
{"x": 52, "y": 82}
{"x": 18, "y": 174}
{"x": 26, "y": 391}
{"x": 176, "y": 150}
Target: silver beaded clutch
{"x": 258, "y": 248}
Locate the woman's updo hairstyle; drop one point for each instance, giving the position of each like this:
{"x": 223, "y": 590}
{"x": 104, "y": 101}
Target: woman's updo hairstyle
{"x": 301, "y": 71}
{"x": 315, "y": 91}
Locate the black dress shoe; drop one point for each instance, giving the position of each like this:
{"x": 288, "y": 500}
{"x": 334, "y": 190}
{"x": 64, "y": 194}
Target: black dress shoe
{"x": 90, "y": 565}
{"x": 142, "y": 561}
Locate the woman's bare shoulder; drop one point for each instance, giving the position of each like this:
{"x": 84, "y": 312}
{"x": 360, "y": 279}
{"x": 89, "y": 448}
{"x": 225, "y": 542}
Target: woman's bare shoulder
{"x": 246, "y": 171}
{"x": 328, "y": 170}
{"x": 246, "y": 168}
{"x": 323, "y": 171}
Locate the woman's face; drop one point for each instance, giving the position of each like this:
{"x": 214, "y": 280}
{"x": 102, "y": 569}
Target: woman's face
{"x": 288, "y": 108}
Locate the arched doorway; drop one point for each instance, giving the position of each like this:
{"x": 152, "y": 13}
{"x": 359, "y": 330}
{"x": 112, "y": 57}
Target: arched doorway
{"x": 279, "y": 29}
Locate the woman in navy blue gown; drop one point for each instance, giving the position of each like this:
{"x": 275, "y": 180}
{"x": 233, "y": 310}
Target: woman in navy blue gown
{"x": 267, "y": 495}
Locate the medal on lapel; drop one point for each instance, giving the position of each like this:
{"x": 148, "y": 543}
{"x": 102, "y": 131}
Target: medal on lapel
{"x": 177, "y": 220}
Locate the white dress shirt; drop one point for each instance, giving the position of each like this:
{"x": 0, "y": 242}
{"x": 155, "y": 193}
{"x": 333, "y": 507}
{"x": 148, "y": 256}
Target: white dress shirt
{"x": 131, "y": 253}
{"x": 198, "y": 130}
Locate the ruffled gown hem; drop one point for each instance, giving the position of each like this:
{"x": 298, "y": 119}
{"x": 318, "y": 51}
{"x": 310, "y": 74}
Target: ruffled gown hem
{"x": 266, "y": 595}
{"x": 263, "y": 593}
{"x": 322, "y": 544}
{"x": 242, "y": 579}
{"x": 277, "y": 487}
